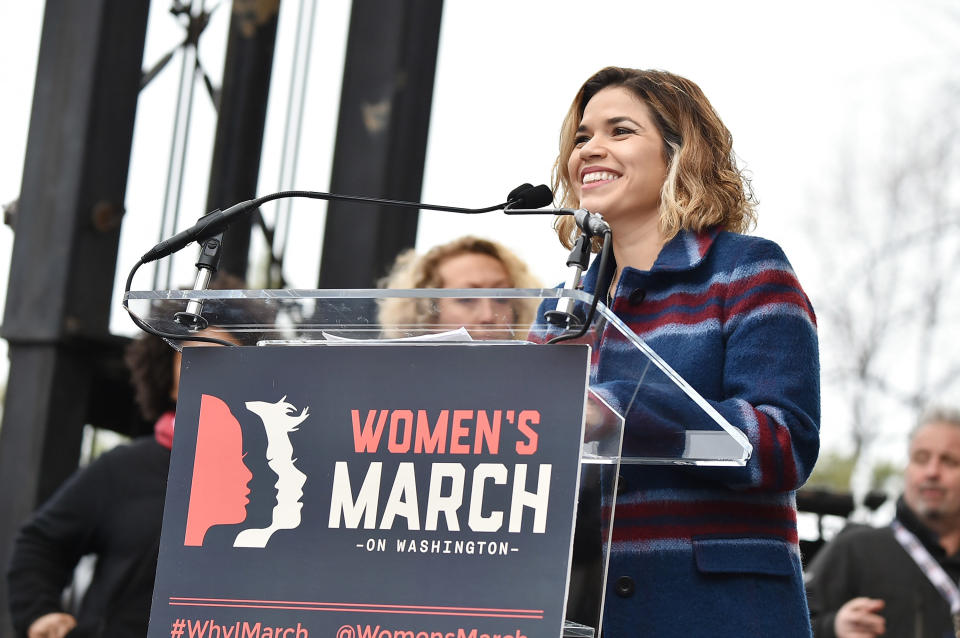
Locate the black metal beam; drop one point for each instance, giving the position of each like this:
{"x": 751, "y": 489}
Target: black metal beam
{"x": 66, "y": 236}
{"x": 381, "y": 142}
{"x": 240, "y": 121}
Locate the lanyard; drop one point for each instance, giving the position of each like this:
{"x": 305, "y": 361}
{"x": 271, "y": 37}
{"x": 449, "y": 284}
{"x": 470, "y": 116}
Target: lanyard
{"x": 928, "y": 565}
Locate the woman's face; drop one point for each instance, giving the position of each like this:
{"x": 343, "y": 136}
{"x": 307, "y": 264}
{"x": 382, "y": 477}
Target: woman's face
{"x": 474, "y": 270}
{"x": 617, "y": 166}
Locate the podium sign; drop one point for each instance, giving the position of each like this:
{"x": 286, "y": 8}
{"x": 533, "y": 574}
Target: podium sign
{"x": 356, "y": 491}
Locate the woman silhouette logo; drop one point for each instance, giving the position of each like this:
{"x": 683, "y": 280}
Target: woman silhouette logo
{"x": 218, "y": 493}
{"x": 279, "y": 420}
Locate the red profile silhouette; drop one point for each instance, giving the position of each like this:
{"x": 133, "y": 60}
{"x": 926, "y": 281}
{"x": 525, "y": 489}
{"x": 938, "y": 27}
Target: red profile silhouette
{"x": 218, "y": 493}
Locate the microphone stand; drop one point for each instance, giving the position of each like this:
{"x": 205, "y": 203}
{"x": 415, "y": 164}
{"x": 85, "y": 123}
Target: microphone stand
{"x": 604, "y": 258}
{"x": 579, "y": 259}
{"x": 207, "y": 264}
{"x": 591, "y": 225}
{"x": 209, "y": 230}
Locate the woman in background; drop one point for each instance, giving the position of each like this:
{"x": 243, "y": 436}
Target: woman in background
{"x": 112, "y": 508}
{"x": 467, "y": 262}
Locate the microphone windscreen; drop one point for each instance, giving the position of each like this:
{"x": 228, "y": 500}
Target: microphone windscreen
{"x": 535, "y": 197}
{"x": 517, "y": 192}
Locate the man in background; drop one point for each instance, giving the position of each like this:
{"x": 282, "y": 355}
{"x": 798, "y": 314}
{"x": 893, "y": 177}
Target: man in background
{"x": 899, "y": 580}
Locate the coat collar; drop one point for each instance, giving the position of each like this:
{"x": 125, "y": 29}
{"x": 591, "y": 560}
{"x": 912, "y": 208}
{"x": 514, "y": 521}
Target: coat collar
{"x": 685, "y": 251}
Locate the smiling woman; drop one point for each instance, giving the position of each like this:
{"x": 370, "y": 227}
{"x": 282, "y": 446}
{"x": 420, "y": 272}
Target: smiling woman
{"x": 662, "y": 134}
{"x": 695, "y": 550}
{"x": 618, "y": 164}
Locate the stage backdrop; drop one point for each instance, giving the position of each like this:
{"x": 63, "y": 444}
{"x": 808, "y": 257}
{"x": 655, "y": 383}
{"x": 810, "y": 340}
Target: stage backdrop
{"x": 355, "y": 491}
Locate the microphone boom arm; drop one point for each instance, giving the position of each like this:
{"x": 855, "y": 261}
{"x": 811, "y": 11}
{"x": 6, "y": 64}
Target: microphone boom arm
{"x": 592, "y": 224}
{"x": 217, "y": 221}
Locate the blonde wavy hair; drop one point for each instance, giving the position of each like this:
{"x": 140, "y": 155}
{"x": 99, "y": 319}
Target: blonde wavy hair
{"x": 704, "y": 187}
{"x": 411, "y": 270}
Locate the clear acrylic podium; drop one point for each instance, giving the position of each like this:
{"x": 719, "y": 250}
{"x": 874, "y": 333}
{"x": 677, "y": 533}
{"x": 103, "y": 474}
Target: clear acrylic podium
{"x": 359, "y": 317}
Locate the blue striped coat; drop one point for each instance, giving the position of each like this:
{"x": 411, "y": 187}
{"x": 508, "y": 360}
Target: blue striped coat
{"x": 713, "y": 551}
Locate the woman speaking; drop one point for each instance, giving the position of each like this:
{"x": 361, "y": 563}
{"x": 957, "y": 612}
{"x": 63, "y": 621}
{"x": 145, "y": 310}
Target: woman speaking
{"x": 695, "y": 551}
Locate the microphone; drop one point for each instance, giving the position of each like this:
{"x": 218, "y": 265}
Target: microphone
{"x": 527, "y": 199}
{"x": 591, "y": 225}
{"x": 527, "y": 196}
{"x": 213, "y": 223}
{"x": 209, "y": 229}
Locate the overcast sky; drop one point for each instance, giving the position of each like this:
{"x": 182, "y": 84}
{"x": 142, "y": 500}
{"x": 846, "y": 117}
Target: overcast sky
{"x": 797, "y": 84}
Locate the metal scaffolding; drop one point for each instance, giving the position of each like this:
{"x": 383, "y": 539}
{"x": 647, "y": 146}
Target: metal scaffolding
{"x": 66, "y": 368}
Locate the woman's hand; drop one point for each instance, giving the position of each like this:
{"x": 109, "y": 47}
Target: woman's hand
{"x": 54, "y": 625}
{"x": 600, "y": 420}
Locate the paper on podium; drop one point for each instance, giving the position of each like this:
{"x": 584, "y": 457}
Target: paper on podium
{"x": 458, "y": 335}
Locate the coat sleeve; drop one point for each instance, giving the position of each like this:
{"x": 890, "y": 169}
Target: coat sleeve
{"x": 770, "y": 385}
{"x": 771, "y": 373}
{"x": 51, "y": 543}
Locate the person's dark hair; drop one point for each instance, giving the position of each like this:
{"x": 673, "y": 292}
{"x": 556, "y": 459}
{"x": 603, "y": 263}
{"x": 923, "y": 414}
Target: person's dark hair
{"x": 150, "y": 360}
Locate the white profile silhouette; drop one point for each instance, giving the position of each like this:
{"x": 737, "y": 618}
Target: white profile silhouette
{"x": 279, "y": 420}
